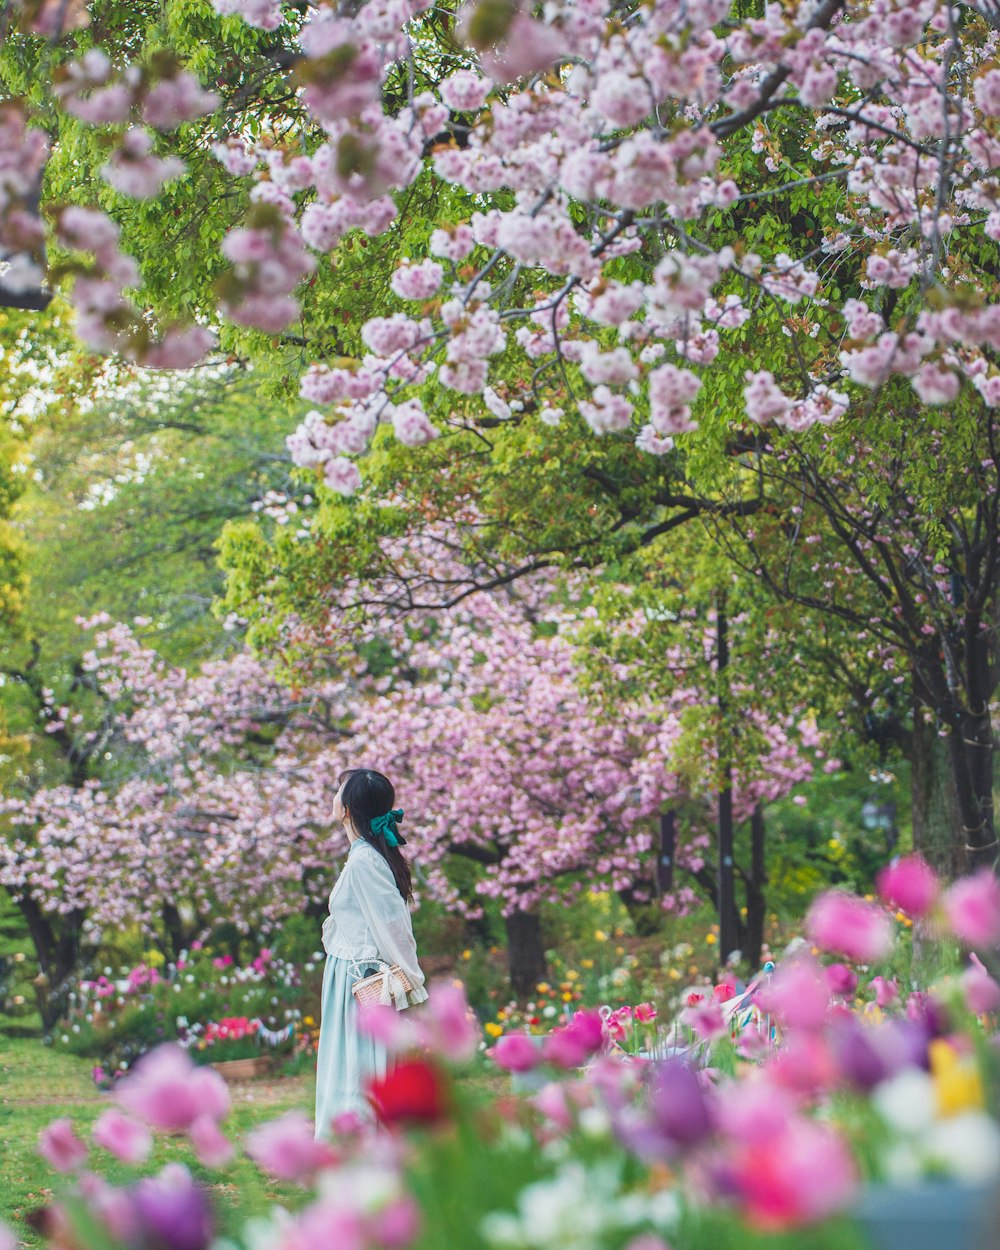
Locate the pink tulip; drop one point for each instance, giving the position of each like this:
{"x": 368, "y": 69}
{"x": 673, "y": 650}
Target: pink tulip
{"x": 797, "y": 994}
{"x": 645, "y": 1012}
{"x": 169, "y": 1092}
{"x": 113, "y": 1207}
{"x": 124, "y": 1137}
{"x": 982, "y": 993}
{"x": 846, "y": 925}
{"x": 211, "y": 1145}
{"x": 754, "y": 1110}
{"x": 910, "y": 883}
{"x": 804, "y": 1064}
{"x": 393, "y": 1029}
{"x": 395, "y": 1225}
{"x": 287, "y": 1150}
{"x": 553, "y": 1103}
{"x": 516, "y": 1052}
{"x": 705, "y": 1021}
{"x": 886, "y": 992}
{"x": 446, "y": 1023}
{"x": 61, "y": 1147}
{"x": 972, "y": 906}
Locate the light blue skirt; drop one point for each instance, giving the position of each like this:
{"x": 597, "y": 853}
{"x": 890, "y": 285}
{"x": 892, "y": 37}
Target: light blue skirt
{"x": 347, "y": 1060}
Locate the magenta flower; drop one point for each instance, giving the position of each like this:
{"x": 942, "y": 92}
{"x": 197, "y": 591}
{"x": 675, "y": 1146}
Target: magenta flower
{"x": 287, "y": 1150}
{"x": 802, "y": 1174}
{"x": 840, "y": 980}
{"x": 910, "y": 883}
{"x": 574, "y": 1043}
{"x": 169, "y": 1092}
{"x": 846, "y": 925}
{"x": 124, "y": 1137}
{"x": 797, "y": 995}
{"x": 516, "y": 1052}
{"x": 61, "y": 1147}
{"x": 972, "y": 906}
{"x": 645, "y": 1012}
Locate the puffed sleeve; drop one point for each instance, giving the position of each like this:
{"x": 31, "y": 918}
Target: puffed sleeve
{"x": 388, "y": 918}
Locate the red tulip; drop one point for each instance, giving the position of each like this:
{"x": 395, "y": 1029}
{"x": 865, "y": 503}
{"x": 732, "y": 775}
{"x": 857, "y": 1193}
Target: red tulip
{"x": 414, "y": 1091}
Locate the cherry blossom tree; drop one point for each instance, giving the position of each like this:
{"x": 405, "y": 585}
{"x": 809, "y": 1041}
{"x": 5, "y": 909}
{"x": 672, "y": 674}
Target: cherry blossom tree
{"x": 217, "y": 802}
{"x": 201, "y": 813}
{"x": 591, "y": 182}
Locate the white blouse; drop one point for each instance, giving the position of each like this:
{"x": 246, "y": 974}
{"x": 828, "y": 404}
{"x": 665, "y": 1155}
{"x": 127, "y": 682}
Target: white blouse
{"x": 369, "y": 918}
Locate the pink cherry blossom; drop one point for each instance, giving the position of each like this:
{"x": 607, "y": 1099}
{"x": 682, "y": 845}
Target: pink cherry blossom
{"x": 417, "y": 281}
{"x": 464, "y": 91}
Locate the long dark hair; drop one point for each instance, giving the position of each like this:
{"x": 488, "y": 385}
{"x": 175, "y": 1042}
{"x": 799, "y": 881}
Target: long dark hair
{"x": 367, "y": 794}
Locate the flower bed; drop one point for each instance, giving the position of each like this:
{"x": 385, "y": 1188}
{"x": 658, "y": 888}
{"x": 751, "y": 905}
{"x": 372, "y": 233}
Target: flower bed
{"x": 209, "y": 1005}
{"x": 829, "y": 1074}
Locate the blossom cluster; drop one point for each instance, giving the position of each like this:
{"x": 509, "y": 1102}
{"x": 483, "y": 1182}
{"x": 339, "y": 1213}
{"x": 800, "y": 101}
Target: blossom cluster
{"x": 579, "y": 140}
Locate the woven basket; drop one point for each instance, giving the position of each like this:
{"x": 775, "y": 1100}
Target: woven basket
{"x": 368, "y": 990}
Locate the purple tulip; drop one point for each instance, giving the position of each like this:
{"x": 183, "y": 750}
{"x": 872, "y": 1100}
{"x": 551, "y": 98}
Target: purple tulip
{"x": 680, "y": 1108}
{"x": 172, "y": 1210}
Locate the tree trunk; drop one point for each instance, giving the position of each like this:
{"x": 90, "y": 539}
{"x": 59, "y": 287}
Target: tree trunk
{"x": 668, "y": 851}
{"x": 57, "y": 954}
{"x": 756, "y": 903}
{"x": 525, "y": 951}
{"x": 728, "y": 919}
{"x": 969, "y": 746}
{"x": 174, "y": 926}
{"x": 934, "y": 801}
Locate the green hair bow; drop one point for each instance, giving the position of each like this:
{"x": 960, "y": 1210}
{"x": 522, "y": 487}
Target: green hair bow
{"x": 386, "y": 826}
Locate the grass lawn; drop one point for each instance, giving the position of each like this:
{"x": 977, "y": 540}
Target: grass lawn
{"x": 38, "y": 1085}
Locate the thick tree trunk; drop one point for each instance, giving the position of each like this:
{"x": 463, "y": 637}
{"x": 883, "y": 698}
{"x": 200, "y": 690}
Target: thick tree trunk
{"x": 57, "y": 954}
{"x": 965, "y": 714}
{"x": 525, "y": 951}
{"x": 934, "y": 801}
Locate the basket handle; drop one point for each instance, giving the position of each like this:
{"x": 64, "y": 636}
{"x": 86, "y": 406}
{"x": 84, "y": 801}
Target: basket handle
{"x": 358, "y": 967}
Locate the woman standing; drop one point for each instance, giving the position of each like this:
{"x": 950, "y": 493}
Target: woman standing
{"x": 369, "y": 920}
